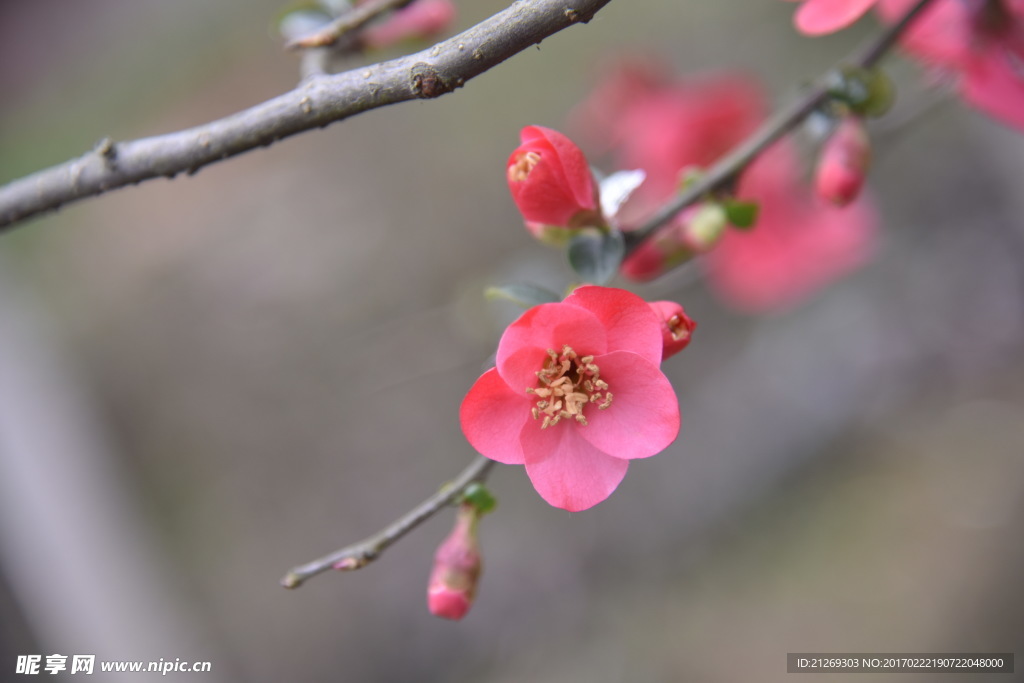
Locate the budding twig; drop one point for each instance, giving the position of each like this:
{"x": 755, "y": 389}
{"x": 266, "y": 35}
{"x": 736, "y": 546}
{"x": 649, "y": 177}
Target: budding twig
{"x": 349, "y": 21}
{"x": 724, "y": 173}
{"x": 360, "y": 554}
{"x": 315, "y": 103}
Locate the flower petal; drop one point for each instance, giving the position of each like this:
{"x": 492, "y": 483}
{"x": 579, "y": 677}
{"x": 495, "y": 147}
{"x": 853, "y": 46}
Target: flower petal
{"x": 573, "y": 475}
{"x": 994, "y": 82}
{"x": 630, "y": 323}
{"x": 818, "y": 17}
{"x": 548, "y": 326}
{"x": 643, "y": 418}
{"x": 492, "y": 417}
{"x": 571, "y": 163}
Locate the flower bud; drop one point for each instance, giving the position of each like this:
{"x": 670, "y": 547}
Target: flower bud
{"x": 421, "y": 19}
{"x": 676, "y": 327}
{"x": 694, "y": 231}
{"x": 551, "y": 181}
{"x": 705, "y": 226}
{"x": 457, "y": 568}
{"x": 844, "y": 162}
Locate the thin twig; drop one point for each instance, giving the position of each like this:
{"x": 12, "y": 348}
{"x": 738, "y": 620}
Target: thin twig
{"x": 724, "y": 173}
{"x": 315, "y": 103}
{"x": 350, "y": 21}
{"x": 361, "y": 554}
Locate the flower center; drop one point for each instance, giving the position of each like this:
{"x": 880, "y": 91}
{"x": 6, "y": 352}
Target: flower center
{"x": 518, "y": 171}
{"x": 565, "y": 385}
{"x": 678, "y": 329}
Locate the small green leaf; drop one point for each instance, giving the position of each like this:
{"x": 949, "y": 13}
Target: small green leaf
{"x": 868, "y": 92}
{"x": 742, "y": 214}
{"x": 477, "y": 495}
{"x": 596, "y": 256}
{"x": 524, "y": 294}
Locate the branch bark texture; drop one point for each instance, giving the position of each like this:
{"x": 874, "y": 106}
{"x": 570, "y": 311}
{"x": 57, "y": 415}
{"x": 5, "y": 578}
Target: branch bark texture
{"x": 315, "y": 103}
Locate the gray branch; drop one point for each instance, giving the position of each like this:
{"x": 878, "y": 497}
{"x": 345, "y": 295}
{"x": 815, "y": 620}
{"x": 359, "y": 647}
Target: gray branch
{"x": 315, "y": 103}
{"x": 360, "y": 554}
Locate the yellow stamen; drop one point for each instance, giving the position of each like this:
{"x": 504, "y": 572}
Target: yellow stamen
{"x": 565, "y": 386}
{"x": 518, "y": 171}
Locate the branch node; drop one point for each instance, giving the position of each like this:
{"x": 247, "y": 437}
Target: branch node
{"x": 572, "y": 15}
{"x": 427, "y": 83}
{"x": 107, "y": 151}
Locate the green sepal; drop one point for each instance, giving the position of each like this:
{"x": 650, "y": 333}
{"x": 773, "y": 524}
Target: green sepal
{"x": 595, "y": 256}
{"x": 477, "y": 495}
{"x": 741, "y": 214}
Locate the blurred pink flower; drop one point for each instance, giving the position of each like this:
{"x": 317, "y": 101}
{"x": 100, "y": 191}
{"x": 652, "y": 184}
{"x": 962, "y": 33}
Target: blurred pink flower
{"x": 818, "y": 17}
{"x": 664, "y": 127}
{"x": 799, "y": 244}
{"x": 577, "y": 392}
{"x": 979, "y": 42}
{"x": 421, "y": 19}
{"x": 550, "y": 180}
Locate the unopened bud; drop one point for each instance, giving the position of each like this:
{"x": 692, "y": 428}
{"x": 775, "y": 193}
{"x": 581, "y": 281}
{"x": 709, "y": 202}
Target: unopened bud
{"x": 676, "y": 327}
{"x": 844, "y": 162}
{"x": 457, "y": 568}
{"x": 705, "y": 226}
{"x": 552, "y": 184}
{"x": 692, "y": 232}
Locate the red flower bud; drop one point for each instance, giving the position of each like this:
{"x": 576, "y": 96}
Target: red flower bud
{"x": 844, "y": 162}
{"x": 551, "y": 181}
{"x": 457, "y": 568}
{"x": 676, "y": 327}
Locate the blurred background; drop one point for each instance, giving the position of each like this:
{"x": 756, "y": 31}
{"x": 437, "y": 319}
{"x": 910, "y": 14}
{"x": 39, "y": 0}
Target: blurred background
{"x": 206, "y": 381}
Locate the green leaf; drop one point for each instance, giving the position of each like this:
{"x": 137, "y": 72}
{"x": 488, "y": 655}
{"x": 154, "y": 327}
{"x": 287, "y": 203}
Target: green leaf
{"x": 868, "y": 92}
{"x": 596, "y": 256}
{"x": 477, "y": 495}
{"x": 524, "y": 294}
{"x": 742, "y": 214}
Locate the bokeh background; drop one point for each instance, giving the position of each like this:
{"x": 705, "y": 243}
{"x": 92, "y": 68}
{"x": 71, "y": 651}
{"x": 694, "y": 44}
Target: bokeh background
{"x": 206, "y": 381}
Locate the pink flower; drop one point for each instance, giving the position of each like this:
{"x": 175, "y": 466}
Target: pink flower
{"x": 818, "y": 17}
{"x": 457, "y": 568}
{"x": 979, "y": 42}
{"x": 551, "y": 181}
{"x": 843, "y": 164}
{"x": 664, "y": 127}
{"x": 576, "y": 394}
{"x": 421, "y": 19}
{"x": 798, "y": 245}
{"x": 676, "y": 327}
